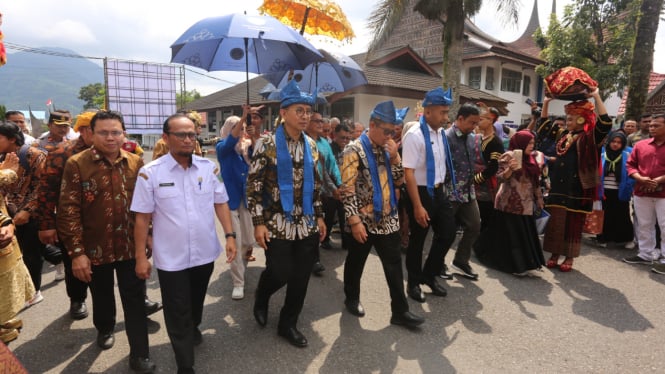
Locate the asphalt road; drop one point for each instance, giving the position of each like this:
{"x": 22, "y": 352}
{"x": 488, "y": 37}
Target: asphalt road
{"x": 603, "y": 317}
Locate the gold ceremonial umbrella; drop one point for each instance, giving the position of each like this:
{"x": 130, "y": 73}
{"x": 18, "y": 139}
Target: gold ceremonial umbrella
{"x": 315, "y": 17}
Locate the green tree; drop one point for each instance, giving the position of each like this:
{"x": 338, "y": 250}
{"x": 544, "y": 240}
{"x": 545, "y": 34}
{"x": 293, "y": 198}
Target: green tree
{"x": 452, "y": 14}
{"x": 183, "y": 99}
{"x": 3, "y": 110}
{"x": 93, "y": 95}
{"x": 595, "y": 36}
{"x": 642, "y": 61}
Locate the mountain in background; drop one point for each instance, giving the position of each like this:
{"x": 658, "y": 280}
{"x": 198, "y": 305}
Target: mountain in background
{"x": 32, "y": 79}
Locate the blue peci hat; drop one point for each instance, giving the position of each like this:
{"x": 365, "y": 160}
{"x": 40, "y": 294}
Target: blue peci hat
{"x": 438, "y": 97}
{"x": 385, "y": 111}
{"x": 291, "y": 94}
{"x": 400, "y": 114}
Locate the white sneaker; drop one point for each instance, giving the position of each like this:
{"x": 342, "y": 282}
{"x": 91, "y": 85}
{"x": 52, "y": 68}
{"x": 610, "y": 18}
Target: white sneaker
{"x": 238, "y": 293}
{"x": 629, "y": 245}
{"x": 59, "y": 272}
{"x": 36, "y": 299}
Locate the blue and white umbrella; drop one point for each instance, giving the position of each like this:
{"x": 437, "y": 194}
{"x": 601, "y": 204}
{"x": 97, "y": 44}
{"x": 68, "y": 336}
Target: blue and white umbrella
{"x": 336, "y": 73}
{"x": 236, "y": 42}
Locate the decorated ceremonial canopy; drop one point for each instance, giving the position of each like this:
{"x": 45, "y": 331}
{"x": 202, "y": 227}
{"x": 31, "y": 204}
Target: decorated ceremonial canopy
{"x": 315, "y": 17}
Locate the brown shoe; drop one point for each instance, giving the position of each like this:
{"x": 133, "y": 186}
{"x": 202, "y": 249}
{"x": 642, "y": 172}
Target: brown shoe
{"x": 7, "y": 335}
{"x": 13, "y": 323}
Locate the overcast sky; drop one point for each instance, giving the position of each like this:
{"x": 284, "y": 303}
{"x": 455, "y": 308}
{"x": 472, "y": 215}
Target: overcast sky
{"x": 144, "y": 30}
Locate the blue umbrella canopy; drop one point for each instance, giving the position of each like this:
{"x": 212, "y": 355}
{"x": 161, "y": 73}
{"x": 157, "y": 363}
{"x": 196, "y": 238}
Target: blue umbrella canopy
{"x": 237, "y": 42}
{"x": 336, "y": 73}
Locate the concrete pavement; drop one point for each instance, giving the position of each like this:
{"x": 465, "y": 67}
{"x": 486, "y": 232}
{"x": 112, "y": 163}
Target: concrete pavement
{"x": 604, "y": 317}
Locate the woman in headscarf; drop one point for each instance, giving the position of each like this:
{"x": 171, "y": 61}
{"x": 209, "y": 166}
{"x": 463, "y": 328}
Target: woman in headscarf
{"x": 615, "y": 190}
{"x": 511, "y": 243}
{"x": 233, "y": 155}
{"x": 574, "y": 179}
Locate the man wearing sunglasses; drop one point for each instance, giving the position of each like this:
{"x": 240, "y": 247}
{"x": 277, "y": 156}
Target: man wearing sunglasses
{"x": 371, "y": 172}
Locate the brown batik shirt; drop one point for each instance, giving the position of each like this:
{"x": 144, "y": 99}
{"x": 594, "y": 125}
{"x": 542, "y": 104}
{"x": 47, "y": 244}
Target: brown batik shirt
{"x": 263, "y": 197}
{"x": 93, "y": 211}
{"x": 22, "y": 194}
{"x": 49, "y": 183}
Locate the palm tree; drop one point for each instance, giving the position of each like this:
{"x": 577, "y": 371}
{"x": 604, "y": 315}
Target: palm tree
{"x": 642, "y": 64}
{"x": 452, "y": 14}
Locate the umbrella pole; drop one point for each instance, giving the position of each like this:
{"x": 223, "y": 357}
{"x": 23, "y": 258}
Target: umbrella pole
{"x": 304, "y": 21}
{"x": 246, "y": 70}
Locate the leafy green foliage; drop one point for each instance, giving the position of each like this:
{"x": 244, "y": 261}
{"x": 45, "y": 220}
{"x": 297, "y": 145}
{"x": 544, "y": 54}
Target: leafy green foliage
{"x": 93, "y": 96}
{"x": 188, "y": 97}
{"x": 596, "y": 36}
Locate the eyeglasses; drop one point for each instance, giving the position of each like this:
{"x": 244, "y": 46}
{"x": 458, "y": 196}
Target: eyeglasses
{"x": 316, "y": 120}
{"x": 105, "y": 134}
{"x": 303, "y": 112}
{"x": 183, "y": 135}
{"x": 345, "y": 137}
{"x": 387, "y": 132}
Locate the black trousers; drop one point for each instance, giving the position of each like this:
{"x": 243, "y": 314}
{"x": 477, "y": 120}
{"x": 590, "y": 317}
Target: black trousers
{"x": 77, "y": 290}
{"x": 32, "y": 249}
{"x": 132, "y": 298}
{"x": 334, "y": 208}
{"x": 288, "y": 262}
{"x": 388, "y": 249}
{"x": 183, "y": 294}
{"x": 443, "y": 226}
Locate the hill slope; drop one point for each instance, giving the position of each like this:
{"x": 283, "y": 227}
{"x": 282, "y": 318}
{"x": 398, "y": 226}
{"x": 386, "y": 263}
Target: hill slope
{"x": 32, "y": 79}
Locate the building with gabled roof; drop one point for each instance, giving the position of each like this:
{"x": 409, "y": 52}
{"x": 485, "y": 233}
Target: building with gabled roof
{"x": 655, "y": 96}
{"x": 407, "y": 64}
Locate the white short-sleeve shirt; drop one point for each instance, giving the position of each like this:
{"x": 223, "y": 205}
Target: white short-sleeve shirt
{"x": 182, "y": 203}
{"x": 414, "y": 155}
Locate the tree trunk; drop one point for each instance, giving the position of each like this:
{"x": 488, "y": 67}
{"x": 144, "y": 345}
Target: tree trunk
{"x": 453, "y": 51}
{"x": 642, "y": 63}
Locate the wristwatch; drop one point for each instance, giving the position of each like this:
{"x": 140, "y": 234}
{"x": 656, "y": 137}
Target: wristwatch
{"x": 231, "y": 234}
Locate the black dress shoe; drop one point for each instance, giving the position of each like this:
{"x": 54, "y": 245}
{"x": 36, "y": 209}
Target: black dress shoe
{"x": 355, "y": 307}
{"x": 294, "y": 337}
{"x": 152, "y": 307}
{"x": 407, "y": 319}
{"x": 465, "y": 269}
{"x": 445, "y": 274}
{"x": 261, "y": 315}
{"x": 318, "y": 268}
{"x": 141, "y": 365}
{"x": 78, "y": 310}
{"x": 105, "y": 341}
{"x": 436, "y": 288}
{"x": 326, "y": 244}
{"x": 416, "y": 293}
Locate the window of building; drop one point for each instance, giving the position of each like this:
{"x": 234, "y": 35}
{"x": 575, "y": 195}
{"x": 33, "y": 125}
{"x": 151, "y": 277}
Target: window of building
{"x": 511, "y": 80}
{"x": 474, "y": 77}
{"x": 526, "y": 89}
{"x": 489, "y": 79}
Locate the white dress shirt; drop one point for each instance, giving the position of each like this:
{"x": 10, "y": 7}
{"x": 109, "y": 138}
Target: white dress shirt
{"x": 183, "y": 213}
{"x": 414, "y": 155}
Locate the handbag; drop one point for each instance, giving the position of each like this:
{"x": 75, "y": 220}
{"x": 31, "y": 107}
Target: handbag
{"x": 593, "y": 223}
{"x": 541, "y": 221}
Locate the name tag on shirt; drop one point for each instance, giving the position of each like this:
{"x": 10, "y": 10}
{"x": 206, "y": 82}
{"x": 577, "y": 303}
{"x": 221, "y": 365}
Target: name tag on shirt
{"x": 171, "y": 184}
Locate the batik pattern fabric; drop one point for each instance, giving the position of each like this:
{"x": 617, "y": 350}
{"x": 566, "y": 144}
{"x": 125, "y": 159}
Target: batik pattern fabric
{"x": 357, "y": 180}
{"x": 49, "y": 182}
{"x": 263, "y": 196}
{"x": 93, "y": 211}
{"x": 22, "y": 194}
